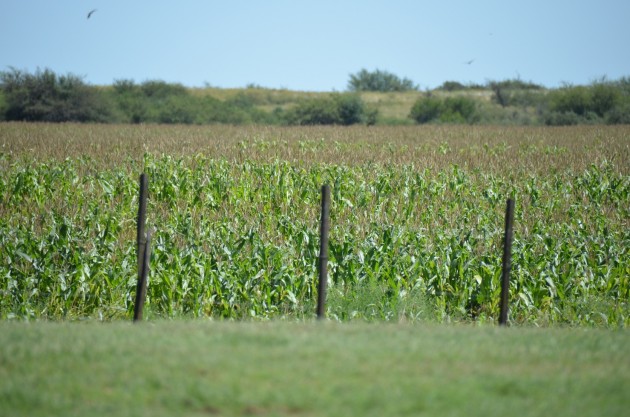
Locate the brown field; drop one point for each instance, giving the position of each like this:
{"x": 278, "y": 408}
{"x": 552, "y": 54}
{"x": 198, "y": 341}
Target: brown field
{"x": 496, "y": 149}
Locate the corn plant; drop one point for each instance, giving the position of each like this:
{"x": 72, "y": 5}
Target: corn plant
{"x": 236, "y": 235}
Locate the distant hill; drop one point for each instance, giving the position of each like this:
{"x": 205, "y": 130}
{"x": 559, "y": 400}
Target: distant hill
{"x": 46, "y": 96}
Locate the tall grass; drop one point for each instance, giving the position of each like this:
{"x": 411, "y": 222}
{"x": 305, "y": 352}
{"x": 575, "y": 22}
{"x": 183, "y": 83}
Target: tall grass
{"x": 416, "y": 221}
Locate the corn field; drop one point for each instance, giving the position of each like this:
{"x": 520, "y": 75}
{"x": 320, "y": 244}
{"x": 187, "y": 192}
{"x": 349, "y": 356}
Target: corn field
{"x": 417, "y": 218}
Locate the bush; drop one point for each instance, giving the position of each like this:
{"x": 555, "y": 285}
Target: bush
{"x": 600, "y": 102}
{"x": 426, "y": 109}
{"x": 157, "y": 89}
{"x": 604, "y": 98}
{"x": 131, "y": 104}
{"x": 459, "y": 109}
{"x": 452, "y": 86}
{"x": 44, "y": 96}
{"x": 514, "y": 92}
{"x": 160, "y": 102}
{"x": 3, "y": 107}
{"x": 379, "y": 80}
{"x": 176, "y": 110}
{"x": 515, "y": 84}
{"x": 337, "y": 109}
{"x": 623, "y": 85}
{"x": 556, "y": 118}
{"x": 319, "y": 111}
{"x": 350, "y": 108}
{"x": 570, "y": 100}
{"x": 619, "y": 115}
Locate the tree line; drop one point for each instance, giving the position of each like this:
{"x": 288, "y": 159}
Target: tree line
{"x": 49, "y": 97}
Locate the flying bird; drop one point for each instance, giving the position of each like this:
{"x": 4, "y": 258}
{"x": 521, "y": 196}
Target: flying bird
{"x": 469, "y": 62}
{"x": 90, "y": 13}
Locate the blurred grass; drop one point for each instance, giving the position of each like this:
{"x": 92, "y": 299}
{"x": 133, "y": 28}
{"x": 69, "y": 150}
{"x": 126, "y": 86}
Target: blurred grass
{"x": 311, "y": 369}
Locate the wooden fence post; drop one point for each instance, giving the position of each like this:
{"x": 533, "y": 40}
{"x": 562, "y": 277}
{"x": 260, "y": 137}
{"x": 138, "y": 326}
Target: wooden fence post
{"x": 507, "y": 262}
{"x": 141, "y": 240}
{"x": 323, "y": 252}
{"x": 141, "y": 288}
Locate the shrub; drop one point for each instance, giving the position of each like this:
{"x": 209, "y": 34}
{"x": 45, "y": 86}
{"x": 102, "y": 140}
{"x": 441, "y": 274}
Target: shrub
{"x": 320, "y": 111}
{"x": 44, "y": 96}
{"x": 570, "y": 100}
{"x": 599, "y": 102}
{"x": 556, "y": 118}
{"x": 604, "y": 98}
{"x": 160, "y": 102}
{"x": 379, "y": 80}
{"x": 514, "y": 92}
{"x": 623, "y": 84}
{"x": 452, "y": 86}
{"x": 515, "y": 84}
{"x": 3, "y": 106}
{"x": 125, "y": 86}
{"x": 459, "y": 109}
{"x": 131, "y": 105}
{"x": 619, "y": 115}
{"x": 160, "y": 89}
{"x": 350, "y": 108}
{"x": 242, "y": 100}
{"x": 176, "y": 110}
{"x": 426, "y": 109}
{"x": 336, "y": 109}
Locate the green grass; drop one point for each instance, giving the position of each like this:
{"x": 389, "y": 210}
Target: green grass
{"x": 310, "y": 369}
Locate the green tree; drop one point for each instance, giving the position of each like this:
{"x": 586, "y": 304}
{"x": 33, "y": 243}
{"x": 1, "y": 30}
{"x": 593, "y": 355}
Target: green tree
{"x": 452, "y": 86}
{"x": 515, "y": 91}
{"x": 458, "y": 109}
{"x": 132, "y": 104}
{"x": 157, "y": 89}
{"x": 3, "y": 106}
{"x": 319, "y": 111}
{"x": 426, "y": 109}
{"x": 598, "y": 103}
{"x": 570, "y": 99}
{"x": 336, "y": 109}
{"x": 44, "y": 96}
{"x": 604, "y": 98}
{"x": 379, "y": 80}
{"x": 350, "y": 108}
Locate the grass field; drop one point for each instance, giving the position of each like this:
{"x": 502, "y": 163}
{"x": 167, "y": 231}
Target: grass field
{"x": 310, "y": 369}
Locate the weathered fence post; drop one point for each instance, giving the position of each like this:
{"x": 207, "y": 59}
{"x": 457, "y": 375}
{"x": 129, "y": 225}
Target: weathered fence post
{"x": 142, "y": 218}
{"x": 507, "y": 262}
{"x": 323, "y": 252}
{"x": 141, "y": 288}
{"x": 142, "y": 243}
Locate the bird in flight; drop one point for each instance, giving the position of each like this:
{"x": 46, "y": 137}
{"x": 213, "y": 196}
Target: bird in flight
{"x": 469, "y": 62}
{"x": 90, "y": 13}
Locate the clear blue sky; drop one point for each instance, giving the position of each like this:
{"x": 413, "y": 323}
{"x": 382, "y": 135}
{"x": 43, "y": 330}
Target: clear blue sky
{"x": 315, "y": 45}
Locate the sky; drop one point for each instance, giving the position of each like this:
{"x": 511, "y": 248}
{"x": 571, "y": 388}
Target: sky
{"x": 315, "y": 45}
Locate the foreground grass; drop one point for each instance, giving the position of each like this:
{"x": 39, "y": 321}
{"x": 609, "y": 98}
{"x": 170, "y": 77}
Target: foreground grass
{"x": 327, "y": 369}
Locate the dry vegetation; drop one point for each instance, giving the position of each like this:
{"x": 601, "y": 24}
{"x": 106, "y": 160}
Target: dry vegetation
{"x": 505, "y": 150}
